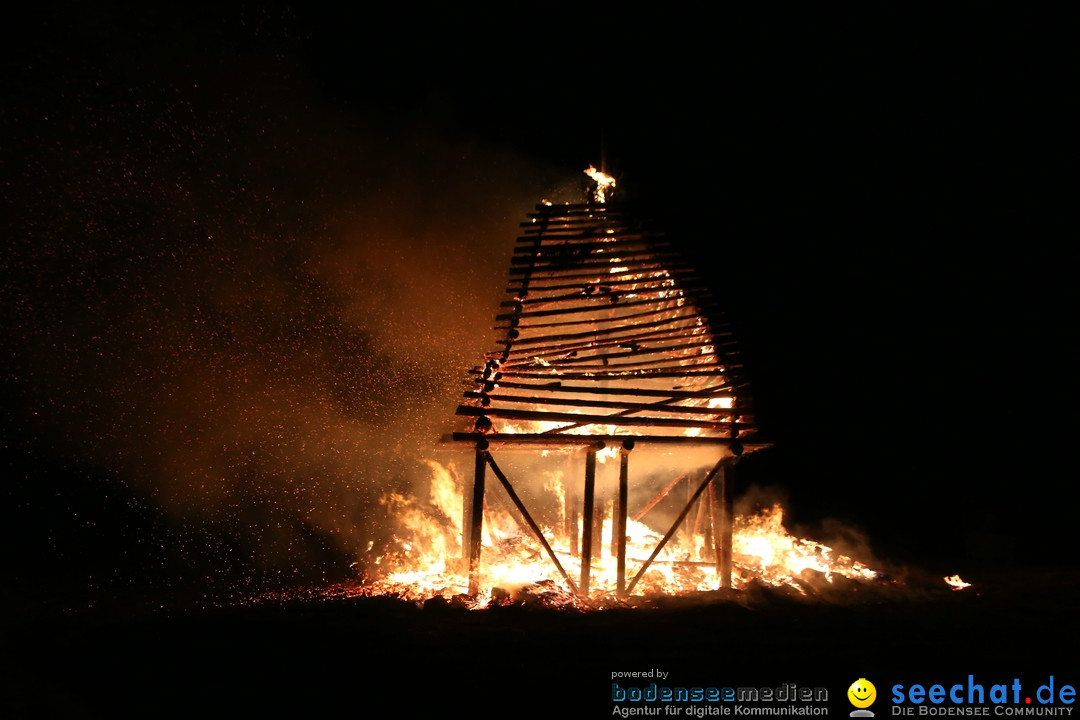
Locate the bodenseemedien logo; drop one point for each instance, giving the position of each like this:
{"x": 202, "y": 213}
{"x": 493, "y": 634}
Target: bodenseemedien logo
{"x": 862, "y": 694}
{"x": 677, "y": 700}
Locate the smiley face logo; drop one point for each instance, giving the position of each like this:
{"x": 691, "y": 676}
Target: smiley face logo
{"x": 862, "y": 693}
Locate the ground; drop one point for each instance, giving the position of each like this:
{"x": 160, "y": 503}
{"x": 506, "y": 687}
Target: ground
{"x": 353, "y": 655}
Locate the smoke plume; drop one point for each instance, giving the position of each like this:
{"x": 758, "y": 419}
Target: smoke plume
{"x": 242, "y": 304}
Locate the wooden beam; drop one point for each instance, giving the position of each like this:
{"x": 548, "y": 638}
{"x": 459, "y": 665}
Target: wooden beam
{"x": 719, "y": 390}
{"x": 557, "y": 257}
{"x": 572, "y": 443}
{"x": 600, "y": 305}
{"x": 663, "y": 314}
{"x": 641, "y": 350}
{"x": 587, "y": 519}
{"x": 476, "y": 521}
{"x": 629, "y": 336}
{"x": 595, "y": 291}
{"x": 609, "y": 376}
{"x": 605, "y": 265}
{"x": 619, "y": 241}
{"x": 582, "y": 419}
{"x": 603, "y": 274}
{"x": 664, "y": 404}
{"x": 618, "y": 533}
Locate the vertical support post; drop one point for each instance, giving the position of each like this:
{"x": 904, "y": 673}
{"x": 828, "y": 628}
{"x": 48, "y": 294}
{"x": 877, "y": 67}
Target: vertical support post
{"x": 727, "y": 471}
{"x": 619, "y": 530}
{"x": 713, "y": 525}
{"x": 570, "y": 514}
{"x": 587, "y": 519}
{"x": 688, "y": 529}
{"x": 708, "y": 524}
{"x": 476, "y": 519}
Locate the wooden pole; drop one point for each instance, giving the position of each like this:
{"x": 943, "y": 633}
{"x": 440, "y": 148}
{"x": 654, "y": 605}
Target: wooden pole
{"x": 587, "y": 518}
{"x": 476, "y": 519}
{"x": 571, "y": 508}
{"x": 619, "y": 531}
{"x": 727, "y": 520}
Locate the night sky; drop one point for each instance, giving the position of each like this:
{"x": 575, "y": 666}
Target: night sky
{"x": 248, "y": 256}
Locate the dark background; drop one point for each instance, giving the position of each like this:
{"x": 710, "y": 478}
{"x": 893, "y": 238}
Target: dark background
{"x": 219, "y": 226}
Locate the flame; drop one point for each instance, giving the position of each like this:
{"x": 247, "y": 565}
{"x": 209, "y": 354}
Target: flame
{"x": 426, "y": 560}
{"x": 956, "y": 583}
{"x": 603, "y": 182}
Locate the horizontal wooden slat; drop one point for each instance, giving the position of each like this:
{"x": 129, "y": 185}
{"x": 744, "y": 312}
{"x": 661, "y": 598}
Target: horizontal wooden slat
{"x": 607, "y": 240}
{"x": 627, "y": 376}
{"x": 677, "y": 317}
{"x": 539, "y": 288}
{"x": 562, "y": 256}
{"x": 563, "y": 442}
{"x": 666, "y": 405}
{"x": 602, "y": 297}
{"x": 582, "y": 419}
{"x": 603, "y": 265}
{"x": 601, "y": 305}
{"x": 545, "y": 351}
{"x": 638, "y": 356}
{"x": 721, "y": 390}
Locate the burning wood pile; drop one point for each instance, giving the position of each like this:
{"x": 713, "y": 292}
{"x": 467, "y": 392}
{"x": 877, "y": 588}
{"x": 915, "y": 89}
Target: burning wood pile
{"x": 606, "y": 343}
{"x": 609, "y": 347}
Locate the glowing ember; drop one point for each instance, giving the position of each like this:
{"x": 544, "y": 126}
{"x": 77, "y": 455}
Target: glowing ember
{"x": 956, "y": 583}
{"x": 425, "y": 562}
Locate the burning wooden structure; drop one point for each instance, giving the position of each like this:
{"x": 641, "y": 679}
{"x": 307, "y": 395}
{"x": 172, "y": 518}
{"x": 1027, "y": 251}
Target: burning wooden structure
{"x": 609, "y": 342}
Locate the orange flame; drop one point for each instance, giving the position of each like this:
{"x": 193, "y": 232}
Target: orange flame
{"x": 604, "y": 183}
{"x": 956, "y": 583}
{"x": 426, "y": 561}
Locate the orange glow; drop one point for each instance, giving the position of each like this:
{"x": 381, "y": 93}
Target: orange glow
{"x": 956, "y": 583}
{"x": 425, "y": 561}
{"x": 604, "y": 183}
{"x": 599, "y": 338}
